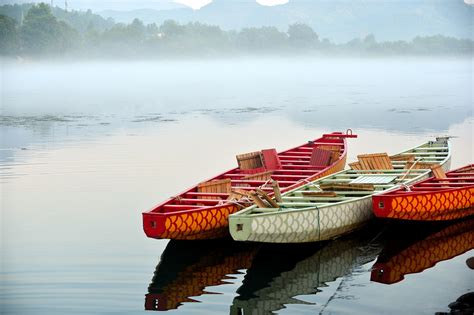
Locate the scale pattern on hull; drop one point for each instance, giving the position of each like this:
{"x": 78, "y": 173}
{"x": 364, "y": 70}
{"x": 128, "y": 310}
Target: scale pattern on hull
{"x": 311, "y": 225}
{"x": 213, "y": 222}
{"x": 199, "y": 224}
{"x": 434, "y": 206}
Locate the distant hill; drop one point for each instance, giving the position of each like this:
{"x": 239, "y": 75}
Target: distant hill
{"x": 338, "y": 20}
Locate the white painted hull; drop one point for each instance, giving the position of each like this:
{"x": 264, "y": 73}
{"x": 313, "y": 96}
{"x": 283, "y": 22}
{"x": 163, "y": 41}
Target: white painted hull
{"x": 312, "y": 224}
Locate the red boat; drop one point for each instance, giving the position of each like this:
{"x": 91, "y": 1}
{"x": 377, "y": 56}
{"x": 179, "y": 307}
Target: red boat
{"x": 202, "y": 211}
{"x": 441, "y": 197}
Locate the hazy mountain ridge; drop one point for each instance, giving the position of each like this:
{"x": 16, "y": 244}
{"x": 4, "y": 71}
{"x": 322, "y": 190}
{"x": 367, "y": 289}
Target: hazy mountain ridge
{"x": 338, "y": 20}
{"x": 39, "y": 30}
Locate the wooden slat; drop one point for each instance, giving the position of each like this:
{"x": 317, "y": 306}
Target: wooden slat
{"x": 417, "y": 165}
{"x": 187, "y": 201}
{"x": 260, "y": 182}
{"x": 375, "y": 161}
{"x": 305, "y": 171}
{"x": 438, "y": 171}
{"x": 267, "y": 198}
{"x": 328, "y": 143}
{"x": 250, "y": 188}
{"x": 250, "y": 160}
{"x": 320, "y": 198}
{"x": 355, "y": 166}
{"x": 264, "y": 176}
{"x": 215, "y": 186}
{"x": 319, "y": 193}
{"x": 346, "y": 187}
{"x": 403, "y": 158}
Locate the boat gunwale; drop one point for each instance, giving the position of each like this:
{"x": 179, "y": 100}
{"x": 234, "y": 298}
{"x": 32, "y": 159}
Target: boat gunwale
{"x": 244, "y": 213}
{"x": 393, "y": 194}
{"x": 158, "y": 209}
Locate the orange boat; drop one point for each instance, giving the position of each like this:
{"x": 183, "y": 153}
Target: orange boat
{"x": 450, "y": 242}
{"x": 202, "y": 211}
{"x": 441, "y": 197}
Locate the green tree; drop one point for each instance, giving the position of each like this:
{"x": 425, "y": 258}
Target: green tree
{"x": 302, "y": 36}
{"x": 172, "y": 29}
{"x": 136, "y": 29}
{"x": 42, "y": 33}
{"x": 8, "y": 35}
{"x": 261, "y": 39}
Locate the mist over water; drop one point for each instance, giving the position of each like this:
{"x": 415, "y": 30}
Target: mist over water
{"x": 86, "y": 146}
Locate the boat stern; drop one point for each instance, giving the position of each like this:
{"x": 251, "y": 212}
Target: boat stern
{"x": 240, "y": 227}
{"x": 153, "y": 224}
{"x": 381, "y": 206}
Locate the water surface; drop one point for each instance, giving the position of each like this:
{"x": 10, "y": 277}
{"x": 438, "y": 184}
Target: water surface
{"x": 85, "y": 147}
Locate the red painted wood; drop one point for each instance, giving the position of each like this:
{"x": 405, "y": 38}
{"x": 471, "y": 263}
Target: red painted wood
{"x": 320, "y": 157}
{"x": 271, "y": 159}
{"x": 455, "y": 183}
{"x": 290, "y": 175}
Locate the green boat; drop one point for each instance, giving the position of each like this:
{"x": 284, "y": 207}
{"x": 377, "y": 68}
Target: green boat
{"x": 340, "y": 203}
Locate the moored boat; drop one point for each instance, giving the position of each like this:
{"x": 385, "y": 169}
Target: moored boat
{"x": 202, "y": 211}
{"x": 443, "y": 197}
{"x": 337, "y": 204}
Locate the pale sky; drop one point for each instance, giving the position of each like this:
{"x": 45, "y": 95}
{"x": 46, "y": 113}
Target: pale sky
{"x": 197, "y": 4}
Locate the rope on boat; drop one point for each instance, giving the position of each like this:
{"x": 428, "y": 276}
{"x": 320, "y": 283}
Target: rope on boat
{"x": 264, "y": 184}
{"x": 243, "y": 199}
{"x": 310, "y": 183}
{"x": 409, "y": 170}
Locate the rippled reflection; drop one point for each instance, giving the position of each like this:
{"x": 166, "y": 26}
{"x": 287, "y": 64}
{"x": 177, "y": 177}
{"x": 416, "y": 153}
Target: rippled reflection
{"x": 419, "y": 247}
{"x": 279, "y": 273}
{"x": 187, "y": 268}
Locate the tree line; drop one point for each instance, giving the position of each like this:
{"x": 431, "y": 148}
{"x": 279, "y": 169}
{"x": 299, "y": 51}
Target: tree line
{"x": 46, "y": 31}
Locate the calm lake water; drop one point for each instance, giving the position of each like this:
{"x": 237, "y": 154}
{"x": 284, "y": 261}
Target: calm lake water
{"x": 87, "y": 146}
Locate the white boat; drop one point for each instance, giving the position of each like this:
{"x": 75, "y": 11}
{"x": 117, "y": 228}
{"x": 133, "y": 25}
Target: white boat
{"x": 340, "y": 203}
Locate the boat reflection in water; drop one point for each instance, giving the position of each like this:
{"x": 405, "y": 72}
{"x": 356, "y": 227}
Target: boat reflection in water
{"x": 280, "y": 272}
{"x": 187, "y": 268}
{"x": 432, "y": 245}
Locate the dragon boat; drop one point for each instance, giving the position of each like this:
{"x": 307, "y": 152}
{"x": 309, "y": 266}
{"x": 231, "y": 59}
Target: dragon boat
{"x": 441, "y": 197}
{"x": 202, "y": 211}
{"x": 340, "y": 203}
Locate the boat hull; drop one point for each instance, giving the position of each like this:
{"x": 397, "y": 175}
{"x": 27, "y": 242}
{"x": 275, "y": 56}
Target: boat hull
{"x": 315, "y": 223}
{"x": 303, "y": 226}
{"x": 209, "y": 222}
{"x": 438, "y": 205}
